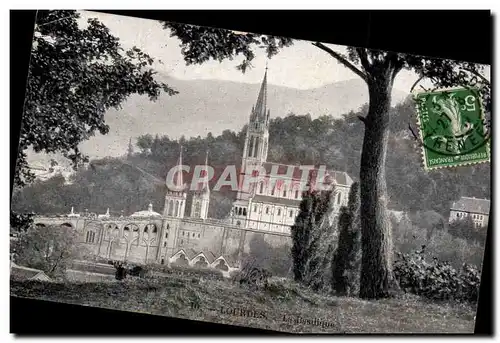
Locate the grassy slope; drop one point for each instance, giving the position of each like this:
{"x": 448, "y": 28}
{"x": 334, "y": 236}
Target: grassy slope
{"x": 172, "y": 297}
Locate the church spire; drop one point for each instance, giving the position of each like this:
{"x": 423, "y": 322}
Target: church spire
{"x": 260, "y": 107}
{"x": 206, "y": 186}
{"x": 179, "y": 178}
{"x": 178, "y": 181}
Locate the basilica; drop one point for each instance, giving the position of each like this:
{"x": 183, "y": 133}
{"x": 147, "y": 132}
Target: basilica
{"x": 267, "y": 209}
{"x": 273, "y": 203}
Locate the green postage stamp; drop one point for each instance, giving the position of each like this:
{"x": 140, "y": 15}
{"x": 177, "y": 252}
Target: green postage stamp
{"x": 452, "y": 127}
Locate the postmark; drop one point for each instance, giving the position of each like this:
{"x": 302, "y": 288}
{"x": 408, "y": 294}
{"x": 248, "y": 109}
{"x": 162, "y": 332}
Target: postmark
{"x": 452, "y": 127}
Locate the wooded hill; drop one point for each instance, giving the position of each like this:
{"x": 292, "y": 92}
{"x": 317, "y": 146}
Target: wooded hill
{"x": 129, "y": 183}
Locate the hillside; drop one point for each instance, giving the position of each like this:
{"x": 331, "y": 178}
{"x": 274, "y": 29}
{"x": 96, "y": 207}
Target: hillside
{"x": 204, "y": 106}
{"x": 284, "y": 306}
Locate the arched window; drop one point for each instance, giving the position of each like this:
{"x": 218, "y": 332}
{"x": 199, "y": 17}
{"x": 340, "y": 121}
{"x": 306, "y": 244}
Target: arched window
{"x": 244, "y": 211}
{"x": 255, "y": 208}
{"x": 198, "y": 235}
{"x": 240, "y": 211}
{"x": 291, "y": 214}
{"x": 261, "y": 187}
{"x": 297, "y": 194}
{"x": 177, "y": 209}
{"x": 90, "y": 237}
{"x": 197, "y": 209}
{"x": 155, "y": 230}
{"x": 146, "y": 229}
{"x": 272, "y": 191}
{"x": 256, "y": 146}
{"x": 279, "y": 211}
{"x": 171, "y": 208}
{"x": 284, "y": 191}
{"x": 339, "y": 196}
{"x": 250, "y": 147}
{"x": 267, "y": 210}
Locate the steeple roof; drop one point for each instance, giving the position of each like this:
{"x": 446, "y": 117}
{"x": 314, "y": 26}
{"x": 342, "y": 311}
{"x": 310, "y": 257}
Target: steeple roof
{"x": 204, "y": 185}
{"x": 178, "y": 181}
{"x": 261, "y": 106}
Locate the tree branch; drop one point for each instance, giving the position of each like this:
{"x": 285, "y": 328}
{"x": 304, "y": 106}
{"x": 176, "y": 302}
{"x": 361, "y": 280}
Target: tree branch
{"x": 363, "y": 57}
{"x": 342, "y": 60}
{"x": 416, "y": 82}
{"x": 395, "y": 62}
{"x": 473, "y": 72}
{"x": 363, "y": 119}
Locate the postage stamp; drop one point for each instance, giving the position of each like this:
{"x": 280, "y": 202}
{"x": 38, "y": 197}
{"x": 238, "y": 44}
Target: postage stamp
{"x": 452, "y": 126}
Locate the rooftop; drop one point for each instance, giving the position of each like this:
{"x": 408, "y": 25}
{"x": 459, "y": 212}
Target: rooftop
{"x": 472, "y": 205}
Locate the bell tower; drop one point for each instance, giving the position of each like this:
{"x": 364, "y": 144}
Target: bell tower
{"x": 201, "y": 196}
{"x": 257, "y": 136}
{"x": 254, "y": 155}
{"x": 175, "y": 199}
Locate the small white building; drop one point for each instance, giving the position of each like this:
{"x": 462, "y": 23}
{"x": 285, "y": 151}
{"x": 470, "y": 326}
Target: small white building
{"x": 475, "y": 208}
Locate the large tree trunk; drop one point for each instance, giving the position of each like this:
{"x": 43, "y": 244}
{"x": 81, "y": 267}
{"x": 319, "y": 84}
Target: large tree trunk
{"x": 376, "y": 269}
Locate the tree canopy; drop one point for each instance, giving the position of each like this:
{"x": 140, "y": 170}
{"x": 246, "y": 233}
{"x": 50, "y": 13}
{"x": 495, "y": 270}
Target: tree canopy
{"x": 75, "y": 75}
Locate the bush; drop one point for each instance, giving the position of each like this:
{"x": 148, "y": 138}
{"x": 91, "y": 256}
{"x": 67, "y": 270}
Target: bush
{"x": 408, "y": 237}
{"x": 346, "y": 262}
{"x": 254, "y": 277}
{"x": 277, "y": 260}
{"x": 436, "y": 280}
{"x": 186, "y": 271}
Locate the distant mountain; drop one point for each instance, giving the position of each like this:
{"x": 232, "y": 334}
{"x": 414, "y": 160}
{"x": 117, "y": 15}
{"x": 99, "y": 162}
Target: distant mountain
{"x": 204, "y": 106}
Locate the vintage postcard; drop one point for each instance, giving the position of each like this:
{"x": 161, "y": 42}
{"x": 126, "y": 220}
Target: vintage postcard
{"x": 251, "y": 180}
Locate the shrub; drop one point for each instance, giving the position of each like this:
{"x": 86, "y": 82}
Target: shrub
{"x": 409, "y": 237}
{"x": 254, "y": 277}
{"x": 308, "y": 248}
{"x": 187, "y": 271}
{"x": 436, "y": 280}
{"x": 347, "y": 258}
{"x": 48, "y": 248}
{"x": 277, "y": 260}
{"x": 235, "y": 276}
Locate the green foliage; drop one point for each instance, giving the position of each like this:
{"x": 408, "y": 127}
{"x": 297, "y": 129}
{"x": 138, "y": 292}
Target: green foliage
{"x": 185, "y": 272}
{"x": 311, "y": 238}
{"x": 465, "y": 229}
{"x": 347, "y": 258}
{"x": 21, "y": 221}
{"x": 201, "y": 44}
{"x": 48, "y": 248}
{"x": 436, "y": 280}
{"x": 263, "y": 255}
{"x": 439, "y": 243}
{"x": 300, "y": 139}
{"x": 75, "y": 75}
{"x": 252, "y": 276}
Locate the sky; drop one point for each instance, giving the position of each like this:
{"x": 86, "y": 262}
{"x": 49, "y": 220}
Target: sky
{"x": 301, "y": 65}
